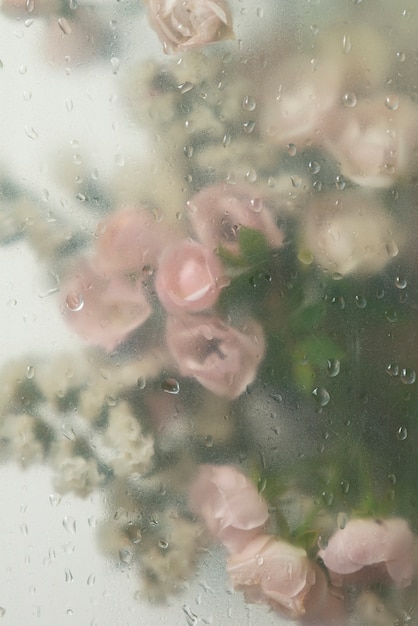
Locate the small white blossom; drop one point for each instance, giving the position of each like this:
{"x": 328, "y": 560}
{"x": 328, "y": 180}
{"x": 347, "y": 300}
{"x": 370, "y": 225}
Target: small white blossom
{"x": 130, "y": 452}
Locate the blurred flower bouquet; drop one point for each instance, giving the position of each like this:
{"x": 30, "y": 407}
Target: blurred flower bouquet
{"x": 248, "y": 309}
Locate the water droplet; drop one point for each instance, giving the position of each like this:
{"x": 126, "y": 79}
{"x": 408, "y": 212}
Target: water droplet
{"x": 23, "y": 69}
{"x": 328, "y": 497}
{"x": 111, "y": 401}
{"x": 31, "y": 132}
{"x": 74, "y": 301}
{"x": 30, "y": 372}
{"x": 251, "y": 175}
{"x": 70, "y": 524}
{"x": 260, "y": 12}
{"x": 392, "y": 102}
{"x": 126, "y": 555}
{"x": 226, "y": 140}
{"x": 333, "y": 367}
{"x": 345, "y": 486}
{"x": 314, "y": 167}
{"x": 185, "y": 87}
{"x": 321, "y": 395}
{"x": 170, "y": 385}
{"x": 346, "y": 44}
{"x": 30, "y": 5}
{"x": 291, "y": 149}
{"x": 91, "y": 579}
{"x": 29, "y": 23}
{"x": 208, "y": 441}
{"x": 259, "y": 560}
{"x": 115, "y": 63}
{"x": 68, "y": 576}
{"x": 402, "y": 433}
{"x": 249, "y": 127}
{"x": 350, "y": 99}
{"x": 342, "y": 520}
{"x": 401, "y": 282}
{"x": 188, "y": 151}
{"x": 401, "y": 56}
{"x": 361, "y": 302}
{"x": 392, "y": 249}
{"x": 2, "y": 611}
{"x": 163, "y": 544}
{"x": 69, "y": 105}
{"x": 391, "y": 315}
{"x": 408, "y": 376}
{"x": 249, "y": 103}
{"x": 64, "y": 25}
{"x": 296, "y": 181}
{"x": 392, "y": 369}
{"x": 54, "y": 499}
{"x": 340, "y": 182}
{"x": 141, "y": 382}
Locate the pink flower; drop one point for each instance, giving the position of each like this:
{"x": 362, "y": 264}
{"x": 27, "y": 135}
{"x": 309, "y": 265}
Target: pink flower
{"x": 349, "y": 233}
{"x": 131, "y": 239}
{"x": 375, "y": 141}
{"x": 103, "y": 308}
{"x": 221, "y": 358}
{"x": 229, "y": 504}
{"x": 273, "y": 572}
{"x": 297, "y": 99}
{"x": 182, "y": 24}
{"x": 384, "y": 545}
{"x": 189, "y": 277}
{"x": 218, "y": 212}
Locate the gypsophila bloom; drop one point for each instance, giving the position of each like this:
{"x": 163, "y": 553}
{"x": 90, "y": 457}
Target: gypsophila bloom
{"x": 189, "y": 277}
{"x": 381, "y": 545}
{"x": 183, "y": 24}
{"x": 273, "y": 572}
{"x": 130, "y": 451}
{"x": 19, "y": 431}
{"x": 349, "y": 233}
{"x": 229, "y": 504}
{"x": 72, "y": 471}
{"x": 222, "y": 358}
{"x": 218, "y": 212}
{"x": 168, "y": 564}
{"x": 103, "y": 308}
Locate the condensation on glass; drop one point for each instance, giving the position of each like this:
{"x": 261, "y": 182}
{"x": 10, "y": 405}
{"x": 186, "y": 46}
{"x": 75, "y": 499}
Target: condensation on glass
{"x": 208, "y": 390}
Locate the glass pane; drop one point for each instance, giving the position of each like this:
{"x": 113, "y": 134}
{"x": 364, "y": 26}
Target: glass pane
{"x": 208, "y": 232}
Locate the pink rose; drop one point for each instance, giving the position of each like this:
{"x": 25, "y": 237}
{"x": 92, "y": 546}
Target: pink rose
{"x": 103, "y": 308}
{"x": 383, "y": 545}
{"x": 297, "y": 99}
{"x": 221, "y": 358}
{"x": 182, "y": 24}
{"x": 375, "y": 141}
{"x": 189, "y": 277}
{"x": 218, "y": 212}
{"x": 229, "y": 504}
{"x": 130, "y": 239}
{"x": 273, "y": 572}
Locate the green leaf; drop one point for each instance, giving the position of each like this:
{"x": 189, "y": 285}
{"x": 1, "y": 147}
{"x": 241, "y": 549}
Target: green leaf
{"x": 253, "y": 245}
{"x": 307, "y": 318}
{"x": 318, "y": 349}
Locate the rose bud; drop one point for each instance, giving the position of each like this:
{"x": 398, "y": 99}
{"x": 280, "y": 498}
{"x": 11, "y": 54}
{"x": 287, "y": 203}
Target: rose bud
{"x": 220, "y": 357}
{"x": 229, "y": 504}
{"x": 189, "y": 277}
{"x": 183, "y": 24}
{"x": 218, "y": 212}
